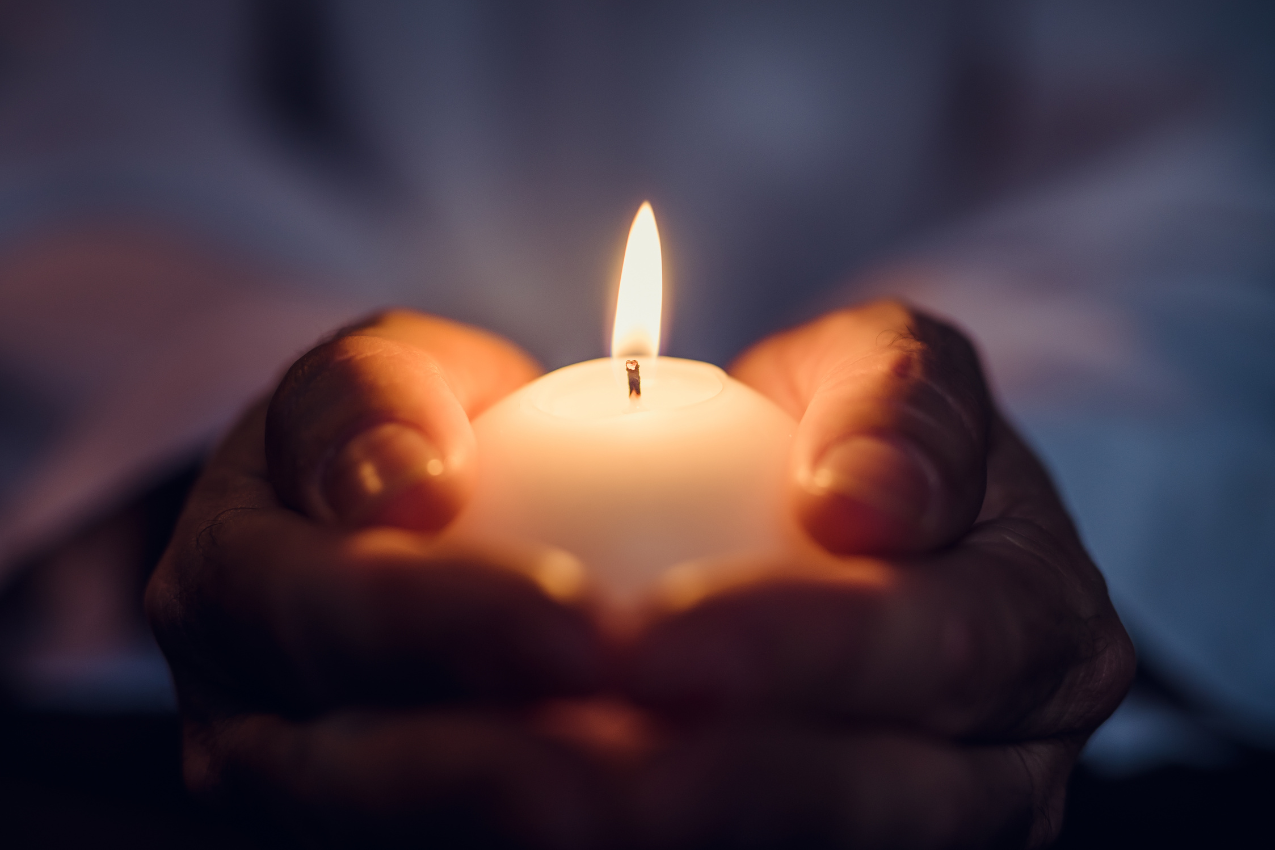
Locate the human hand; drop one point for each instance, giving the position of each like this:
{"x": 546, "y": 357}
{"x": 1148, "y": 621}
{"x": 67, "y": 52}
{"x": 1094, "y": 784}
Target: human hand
{"x": 350, "y": 678}
{"x": 931, "y": 687}
{"x": 867, "y": 701}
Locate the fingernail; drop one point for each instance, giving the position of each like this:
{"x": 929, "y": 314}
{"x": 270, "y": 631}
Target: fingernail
{"x": 375, "y": 466}
{"x": 889, "y": 476}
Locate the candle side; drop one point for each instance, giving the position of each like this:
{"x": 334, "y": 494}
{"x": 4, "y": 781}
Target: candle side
{"x": 698, "y": 471}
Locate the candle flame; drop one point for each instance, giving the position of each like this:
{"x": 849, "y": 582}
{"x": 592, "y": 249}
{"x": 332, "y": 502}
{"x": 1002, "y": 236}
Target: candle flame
{"x": 637, "y": 310}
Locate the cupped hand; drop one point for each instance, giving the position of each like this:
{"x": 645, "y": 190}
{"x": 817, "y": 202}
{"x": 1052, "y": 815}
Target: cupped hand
{"x": 930, "y": 687}
{"x": 338, "y": 671}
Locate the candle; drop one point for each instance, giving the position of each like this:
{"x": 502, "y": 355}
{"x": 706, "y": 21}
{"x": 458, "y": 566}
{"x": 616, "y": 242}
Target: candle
{"x": 642, "y": 467}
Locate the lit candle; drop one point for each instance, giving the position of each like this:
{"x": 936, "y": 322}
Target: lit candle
{"x": 638, "y": 465}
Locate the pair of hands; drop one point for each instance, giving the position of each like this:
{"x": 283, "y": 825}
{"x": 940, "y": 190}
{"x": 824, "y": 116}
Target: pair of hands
{"x": 341, "y": 673}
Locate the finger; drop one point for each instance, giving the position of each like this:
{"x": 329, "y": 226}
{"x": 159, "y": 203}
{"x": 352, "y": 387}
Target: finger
{"x": 257, "y": 602}
{"x": 413, "y": 778}
{"x": 372, "y": 428}
{"x": 1009, "y": 635}
{"x": 890, "y": 453}
{"x": 772, "y": 786}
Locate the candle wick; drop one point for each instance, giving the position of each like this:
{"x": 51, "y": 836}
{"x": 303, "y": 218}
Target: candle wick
{"x": 635, "y": 378}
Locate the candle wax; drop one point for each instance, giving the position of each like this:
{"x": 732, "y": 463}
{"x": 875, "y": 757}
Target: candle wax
{"x": 694, "y": 468}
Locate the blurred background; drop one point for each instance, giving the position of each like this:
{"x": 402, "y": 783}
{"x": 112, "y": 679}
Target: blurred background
{"x": 192, "y": 192}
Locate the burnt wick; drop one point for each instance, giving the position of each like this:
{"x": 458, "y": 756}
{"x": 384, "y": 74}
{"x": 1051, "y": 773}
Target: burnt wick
{"x": 635, "y": 378}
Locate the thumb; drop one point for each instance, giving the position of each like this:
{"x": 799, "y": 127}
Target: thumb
{"x": 891, "y": 451}
{"x": 372, "y": 427}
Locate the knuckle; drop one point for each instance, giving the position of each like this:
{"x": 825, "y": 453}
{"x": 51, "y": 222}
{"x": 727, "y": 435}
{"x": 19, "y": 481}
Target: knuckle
{"x": 954, "y": 359}
{"x": 889, "y": 369}
{"x": 394, "y": 316}
{"x": 201, "y": 772}
{"x": 904, "y": 326}
{"x": 370, "y": 321}
{"x": 299, "y": 378}
{"x": 336, "y": 352}
{"x": 157, "y": 601}
{"x": 340, "y": 357}
{"x": 902, "y": 360}
{"x": 207, "y": 538}
{"x": 1111, "y": 669}
{"x": 167, "y": 611}
{"x": 304, "y": 396}
{"x": 893, "y": 311}
{"x": 879, "y": 314}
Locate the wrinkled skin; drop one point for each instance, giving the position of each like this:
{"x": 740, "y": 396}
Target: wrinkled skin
{"x": 929, "y": 686}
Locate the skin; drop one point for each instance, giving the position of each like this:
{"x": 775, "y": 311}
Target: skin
{"x": 927, "y": 683}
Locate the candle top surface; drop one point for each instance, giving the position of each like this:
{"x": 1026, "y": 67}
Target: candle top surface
{"x": 599, "y": 389}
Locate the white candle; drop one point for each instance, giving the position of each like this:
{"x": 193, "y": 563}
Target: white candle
{"x": 692, "y": 469}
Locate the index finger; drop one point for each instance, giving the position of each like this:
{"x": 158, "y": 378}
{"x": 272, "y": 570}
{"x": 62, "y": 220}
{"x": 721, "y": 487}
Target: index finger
{"x": 890, "y": 453}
